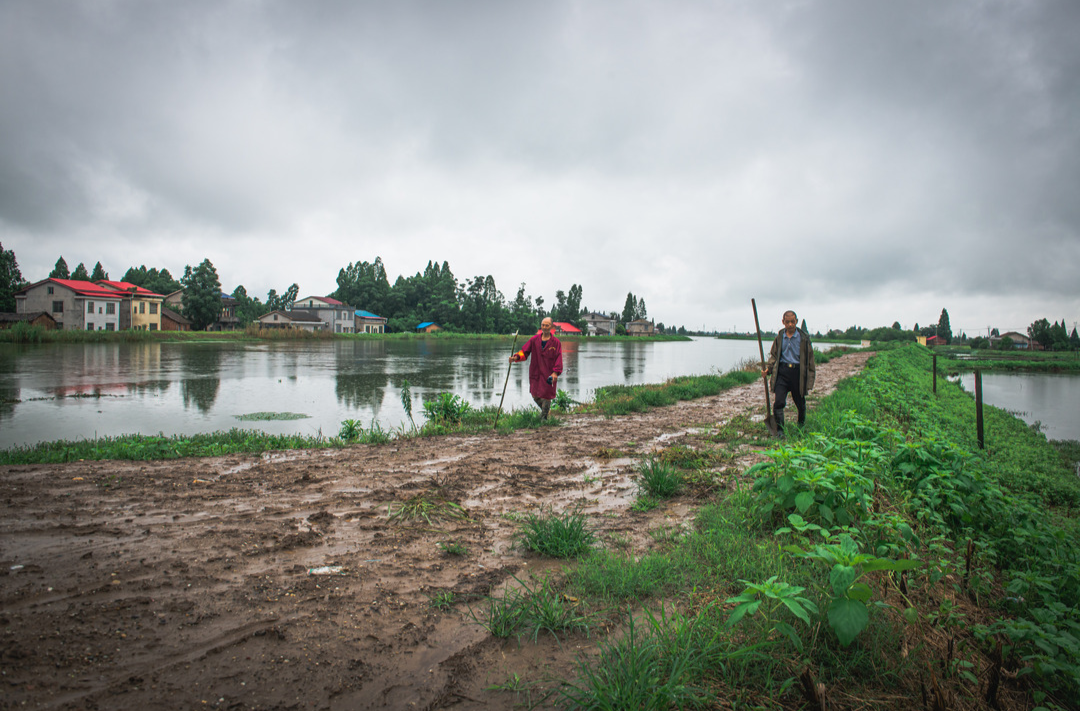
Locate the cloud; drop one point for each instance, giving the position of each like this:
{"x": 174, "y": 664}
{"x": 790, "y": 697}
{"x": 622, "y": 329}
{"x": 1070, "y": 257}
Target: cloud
{"x": 845, "y": 155}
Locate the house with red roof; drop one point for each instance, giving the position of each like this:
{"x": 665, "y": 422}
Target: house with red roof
{"x": 141, "y": 309}
{"x": 338, "y": 317}
{"x": 73, "y": 304}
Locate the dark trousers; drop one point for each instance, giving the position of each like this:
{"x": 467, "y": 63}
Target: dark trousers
{"x": 787, "y": 381}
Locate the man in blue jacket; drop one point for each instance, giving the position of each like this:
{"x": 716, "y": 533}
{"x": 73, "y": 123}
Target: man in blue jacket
{"x": 791, "y": 365}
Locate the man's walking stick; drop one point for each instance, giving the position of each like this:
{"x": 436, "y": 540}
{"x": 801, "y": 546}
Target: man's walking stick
{"x": 508, "y": 367}
{"x": 769, "y": 421}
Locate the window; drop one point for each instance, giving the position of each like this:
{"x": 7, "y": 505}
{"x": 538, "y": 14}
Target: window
{"x": 110, "y": 327}
{"x": 153, "y": 327}
{"x": 142, "y": 307}
{"x": 110, "y": 309}
{"x": 50, "y": 291}
{"x": 89, "y": 327}
{"x": 58, "y": 307}
{"x": 89, "y": 307}
{"x": 153, "y": 308}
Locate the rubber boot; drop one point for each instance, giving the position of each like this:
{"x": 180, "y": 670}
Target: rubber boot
{"x": 778, "y": 416}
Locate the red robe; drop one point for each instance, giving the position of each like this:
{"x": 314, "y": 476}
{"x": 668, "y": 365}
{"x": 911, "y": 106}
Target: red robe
{"x": 547, "y": 359}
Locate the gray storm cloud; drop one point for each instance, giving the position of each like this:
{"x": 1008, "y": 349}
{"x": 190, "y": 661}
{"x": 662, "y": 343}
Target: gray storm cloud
{"x": 874, "y": 161}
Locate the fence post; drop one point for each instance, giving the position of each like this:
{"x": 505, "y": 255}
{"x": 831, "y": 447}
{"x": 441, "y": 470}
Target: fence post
{"x": 978, "y": 409}
{"x": 934, "y": 356}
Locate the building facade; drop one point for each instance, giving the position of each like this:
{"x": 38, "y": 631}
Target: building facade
{"x": 73, "y": 304}
{"x": 367, "y": 322}
{"x": 338, "y": 317}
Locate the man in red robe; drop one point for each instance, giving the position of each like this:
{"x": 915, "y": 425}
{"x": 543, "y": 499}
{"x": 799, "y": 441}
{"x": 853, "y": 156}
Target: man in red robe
{"x": 545, "y": 368}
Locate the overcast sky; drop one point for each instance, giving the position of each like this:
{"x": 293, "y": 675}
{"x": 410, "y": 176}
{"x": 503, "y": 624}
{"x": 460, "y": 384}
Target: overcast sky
{"x": 861, "y": 162}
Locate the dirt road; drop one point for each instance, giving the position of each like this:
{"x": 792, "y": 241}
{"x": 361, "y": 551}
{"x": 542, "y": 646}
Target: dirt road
{"x": 280, "y": 581}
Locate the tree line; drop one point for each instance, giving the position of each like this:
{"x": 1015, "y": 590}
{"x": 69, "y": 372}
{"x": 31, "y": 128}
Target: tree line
{"x": 472, "y": 305}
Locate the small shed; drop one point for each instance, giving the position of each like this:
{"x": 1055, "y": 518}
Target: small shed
{"x": 564, "y": 327}
{"x": 172, "y": 321}
{"x": 429, "y": 327}
{"x": 41, "y": 319}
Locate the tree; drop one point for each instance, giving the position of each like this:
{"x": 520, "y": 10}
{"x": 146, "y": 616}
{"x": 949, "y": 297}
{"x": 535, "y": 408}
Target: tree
{"x": 247, "y": 308}
{"x": 629, "y": 311}
{"x": 1074, "y": 340}
{"x": 944, "y": 330}
{"x": 11, "y": 279}
{"x": 895, "y": 325}
{"x": 60, "y": 271}
{"x": 80, "y": 273}
{"x": 994, "y": 332}
{"x": 365, "y": 286}
{"x": 99, "y": 273}
{"x": 202, "y": 295}
{"x": 1039, "y": 331}
{"x": 1059, "y": 337}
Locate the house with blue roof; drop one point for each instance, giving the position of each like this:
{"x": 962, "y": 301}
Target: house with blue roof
{"x": 429, "y": 327}
{"x": 367, "y": 322}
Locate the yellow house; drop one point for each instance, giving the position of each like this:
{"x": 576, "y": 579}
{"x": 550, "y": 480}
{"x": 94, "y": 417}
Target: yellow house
{"x": 140, "y": 309}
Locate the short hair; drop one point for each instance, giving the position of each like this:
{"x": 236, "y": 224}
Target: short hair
{"x": 789, "y": 311}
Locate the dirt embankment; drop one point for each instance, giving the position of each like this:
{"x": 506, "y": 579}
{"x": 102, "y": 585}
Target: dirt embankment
{"x": 280, "y": 581}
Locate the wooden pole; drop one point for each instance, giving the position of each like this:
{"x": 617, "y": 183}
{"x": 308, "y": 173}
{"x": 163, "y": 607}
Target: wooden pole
{"x": 934, "y": 356}
{"x": 978, "y": 410}
{"x": 508, "y": 367}
{"x": 770, "y": 421}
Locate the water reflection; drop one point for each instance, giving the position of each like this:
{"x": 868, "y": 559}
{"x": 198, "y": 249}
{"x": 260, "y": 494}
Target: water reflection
{"x": 202, "y": 369}
{"x": 328, "y": 380}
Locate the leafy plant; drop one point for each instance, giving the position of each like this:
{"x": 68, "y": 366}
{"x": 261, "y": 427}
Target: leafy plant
{"x": 771, "y": 598}
{"x": 446, "y": 408}
{"x": 848, "y": 613}
{"x": 406, "y": 401}
{"x": 350, "y": 430}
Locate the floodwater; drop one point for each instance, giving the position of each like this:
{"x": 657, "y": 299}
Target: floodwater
{"x": 74, "y": 391}
{"x": 1047, "y": 398}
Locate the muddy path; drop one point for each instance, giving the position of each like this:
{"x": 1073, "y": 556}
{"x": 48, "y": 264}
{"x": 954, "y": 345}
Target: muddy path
{"x": 281, "y": 582}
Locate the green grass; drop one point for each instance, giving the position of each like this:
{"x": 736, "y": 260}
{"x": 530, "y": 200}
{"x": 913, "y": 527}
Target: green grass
{"x": 531, "y": 611}
{"x": 564, "y": 535}
{"x": 886, "y": 436}
{"x": 613, "y": 400}
{"x": 427, "y": 508}
{"x": 658, "y": 479}
{"x": 269, "y": 416}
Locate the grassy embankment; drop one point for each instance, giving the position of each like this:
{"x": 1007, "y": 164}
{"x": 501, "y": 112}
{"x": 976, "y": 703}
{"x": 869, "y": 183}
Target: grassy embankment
{"x": 878, "y": 553}
{"x": 954, "y": 360}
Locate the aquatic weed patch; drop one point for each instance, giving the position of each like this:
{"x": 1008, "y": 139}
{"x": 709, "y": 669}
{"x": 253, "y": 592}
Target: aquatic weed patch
{"x": 271, "y": 416}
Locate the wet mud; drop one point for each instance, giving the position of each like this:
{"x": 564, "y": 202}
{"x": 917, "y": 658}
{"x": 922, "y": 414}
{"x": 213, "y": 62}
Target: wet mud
{"x": 285, "y": 581}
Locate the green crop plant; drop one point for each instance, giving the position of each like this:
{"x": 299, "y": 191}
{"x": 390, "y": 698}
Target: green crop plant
{"x": 771, "y": 598}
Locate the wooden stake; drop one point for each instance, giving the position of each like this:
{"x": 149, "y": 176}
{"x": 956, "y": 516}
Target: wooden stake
{"x": 978, "y": 409}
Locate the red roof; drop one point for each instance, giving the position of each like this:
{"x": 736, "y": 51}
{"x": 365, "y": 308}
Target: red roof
{"x": 85, "y": 288}
{"x": 125, "y": 286}
{"x": 565, "y": 327}
{"x": 332, "y": 302}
